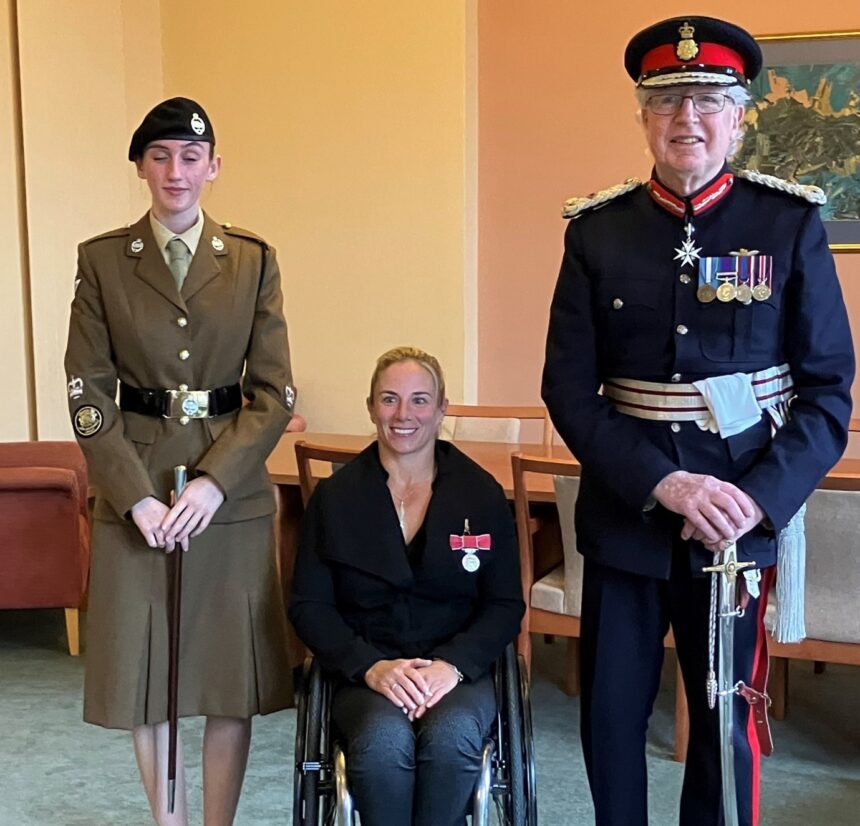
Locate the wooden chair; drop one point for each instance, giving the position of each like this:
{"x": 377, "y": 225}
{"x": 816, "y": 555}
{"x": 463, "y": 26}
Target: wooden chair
{"x": 307, "y": 453}
{"x": 494, "y": 423}
{"x": 832, "y": 586}
{"x": 45, "y": 552}
{"x": 553, "y": 598}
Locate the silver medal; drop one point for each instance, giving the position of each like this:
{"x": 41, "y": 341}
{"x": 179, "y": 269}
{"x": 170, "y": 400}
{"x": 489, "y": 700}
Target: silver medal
{"x": 471, "y": 562}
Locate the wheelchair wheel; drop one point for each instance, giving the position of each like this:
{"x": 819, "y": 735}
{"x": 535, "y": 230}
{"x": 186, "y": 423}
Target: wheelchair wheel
{"x": 528, "y": 744}
{"x": 522, "y": 804}
{"x": 309, "y": 747}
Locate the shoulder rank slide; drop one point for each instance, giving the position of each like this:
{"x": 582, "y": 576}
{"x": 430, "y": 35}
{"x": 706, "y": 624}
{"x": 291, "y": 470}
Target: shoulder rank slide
{"x": 238, "y": 232}
{"x": 813, "y": 194}
{"x": 119, "y": 232}
{"x": 577, "y": 206}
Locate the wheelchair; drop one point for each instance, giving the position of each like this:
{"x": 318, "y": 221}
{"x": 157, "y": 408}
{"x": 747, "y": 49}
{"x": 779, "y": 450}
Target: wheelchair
{"x": 506, "y": 781}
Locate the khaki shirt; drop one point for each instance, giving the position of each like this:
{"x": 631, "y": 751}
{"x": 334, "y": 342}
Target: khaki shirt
{"x": 163, "y": 235}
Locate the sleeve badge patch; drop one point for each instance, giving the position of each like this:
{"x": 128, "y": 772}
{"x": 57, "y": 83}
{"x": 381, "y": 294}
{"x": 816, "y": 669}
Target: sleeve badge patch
{"x": 88, "y": 421}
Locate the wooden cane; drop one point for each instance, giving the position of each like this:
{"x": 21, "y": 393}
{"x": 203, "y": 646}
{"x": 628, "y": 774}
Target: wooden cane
{"x": 174, "y": 607}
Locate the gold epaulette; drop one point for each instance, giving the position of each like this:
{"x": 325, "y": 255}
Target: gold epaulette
{"x": 238, "y": 232}
{"x": 576, "y": 206}
{"x": 813, "y": 194}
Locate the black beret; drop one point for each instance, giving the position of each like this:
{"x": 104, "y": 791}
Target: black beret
{"x": 700, "y": 51}
{"x": 178, "y": 119}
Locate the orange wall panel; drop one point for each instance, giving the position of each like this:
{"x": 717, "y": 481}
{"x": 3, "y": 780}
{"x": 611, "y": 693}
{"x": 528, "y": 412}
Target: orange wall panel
{"x": 557, "y": 117}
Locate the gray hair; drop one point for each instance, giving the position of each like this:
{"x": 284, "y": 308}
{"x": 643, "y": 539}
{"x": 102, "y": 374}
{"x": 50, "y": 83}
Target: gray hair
{"x": 739, "y": 95}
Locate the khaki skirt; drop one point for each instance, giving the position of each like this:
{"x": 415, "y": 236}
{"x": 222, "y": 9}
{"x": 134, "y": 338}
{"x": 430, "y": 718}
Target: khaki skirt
{"x": 233, "y": 654}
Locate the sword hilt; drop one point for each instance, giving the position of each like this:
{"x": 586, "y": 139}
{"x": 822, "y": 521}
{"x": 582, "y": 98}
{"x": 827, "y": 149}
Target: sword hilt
{"x": 730, "y": 566}
{"x": 730, "y": 569}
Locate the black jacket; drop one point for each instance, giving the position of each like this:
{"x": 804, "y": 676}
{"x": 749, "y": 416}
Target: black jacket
{"x": 357, "y": 600}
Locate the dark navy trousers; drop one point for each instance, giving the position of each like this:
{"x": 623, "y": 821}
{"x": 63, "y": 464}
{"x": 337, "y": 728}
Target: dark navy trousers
{"x": 625, "y": 618}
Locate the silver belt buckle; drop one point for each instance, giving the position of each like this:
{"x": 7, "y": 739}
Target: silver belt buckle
{"x": 193, "y": 404}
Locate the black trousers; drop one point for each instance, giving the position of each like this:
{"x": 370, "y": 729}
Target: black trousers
{"x": 624, "y": 620}
{"x": 421, "y": 773}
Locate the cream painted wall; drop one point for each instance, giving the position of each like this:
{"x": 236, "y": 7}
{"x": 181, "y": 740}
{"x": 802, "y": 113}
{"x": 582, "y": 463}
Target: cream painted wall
{"x": 89, "y": 71}
{"x": 15, "y": 421}
{"x": 342, "y": 127}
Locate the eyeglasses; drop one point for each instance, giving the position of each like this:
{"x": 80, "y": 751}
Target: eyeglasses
{"x": 705, "y": 103}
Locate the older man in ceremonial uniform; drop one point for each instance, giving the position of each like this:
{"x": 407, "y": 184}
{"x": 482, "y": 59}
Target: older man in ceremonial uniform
{"x": 699, "y": 365}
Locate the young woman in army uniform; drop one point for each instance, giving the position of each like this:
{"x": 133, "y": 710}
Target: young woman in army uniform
{"x": 180, "y": 319}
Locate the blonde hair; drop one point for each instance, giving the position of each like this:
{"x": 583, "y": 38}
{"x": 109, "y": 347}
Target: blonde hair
{"x": 398, "y": 354}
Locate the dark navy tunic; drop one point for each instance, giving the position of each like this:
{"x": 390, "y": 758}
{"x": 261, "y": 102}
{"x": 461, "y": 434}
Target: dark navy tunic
{"x": 658, "y": 330}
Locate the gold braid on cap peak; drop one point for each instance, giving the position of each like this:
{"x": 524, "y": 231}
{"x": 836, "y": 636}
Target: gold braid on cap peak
{"x": 813, "y": 194}
{"x": 576, "y": 206}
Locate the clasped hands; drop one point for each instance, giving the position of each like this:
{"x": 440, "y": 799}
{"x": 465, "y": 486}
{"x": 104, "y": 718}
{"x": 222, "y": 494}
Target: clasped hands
{"x": 715, "y": 513}
{"x": 166, "y": 527}
{"x": 413, "y": 685}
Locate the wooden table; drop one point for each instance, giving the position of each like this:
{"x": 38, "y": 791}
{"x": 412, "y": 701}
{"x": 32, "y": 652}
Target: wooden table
{"x": 494, "y": 457}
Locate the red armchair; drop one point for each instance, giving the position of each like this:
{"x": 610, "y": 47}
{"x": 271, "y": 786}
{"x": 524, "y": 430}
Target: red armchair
{"x": 44, "y": 529}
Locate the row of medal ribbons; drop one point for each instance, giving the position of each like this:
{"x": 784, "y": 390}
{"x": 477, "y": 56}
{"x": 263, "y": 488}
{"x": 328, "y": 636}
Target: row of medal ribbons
{"x": 740, "y": 277}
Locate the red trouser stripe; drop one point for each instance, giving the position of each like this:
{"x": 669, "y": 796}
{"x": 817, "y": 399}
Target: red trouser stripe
{"x": 759, "y": 682}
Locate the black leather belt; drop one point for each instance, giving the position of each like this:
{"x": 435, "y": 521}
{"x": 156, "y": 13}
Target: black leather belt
{"x": 181, "y": 403}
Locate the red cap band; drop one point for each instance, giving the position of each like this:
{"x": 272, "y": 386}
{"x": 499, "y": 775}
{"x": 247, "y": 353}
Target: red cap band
{"x": 710, "y": 54}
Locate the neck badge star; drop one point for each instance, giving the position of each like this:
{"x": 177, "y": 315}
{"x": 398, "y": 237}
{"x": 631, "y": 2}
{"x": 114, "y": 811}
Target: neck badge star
{"x": 688, "y": 252}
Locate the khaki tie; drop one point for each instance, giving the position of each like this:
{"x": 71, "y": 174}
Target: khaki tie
{"x": 179, "y": 258}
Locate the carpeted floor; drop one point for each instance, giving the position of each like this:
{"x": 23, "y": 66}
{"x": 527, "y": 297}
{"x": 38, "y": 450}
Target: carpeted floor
{"x": 56, "y": 771}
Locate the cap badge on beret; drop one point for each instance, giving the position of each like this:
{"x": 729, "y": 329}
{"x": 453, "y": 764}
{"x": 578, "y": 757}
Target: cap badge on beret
{"x": 198, "y": 125}
{"x": 687, "y": 48}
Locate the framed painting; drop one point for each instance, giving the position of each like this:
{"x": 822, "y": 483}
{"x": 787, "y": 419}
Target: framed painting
{"x": 805, "y": 123}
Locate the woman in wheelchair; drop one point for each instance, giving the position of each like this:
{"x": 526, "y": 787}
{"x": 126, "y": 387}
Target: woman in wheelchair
{"x": 407, "y": 588}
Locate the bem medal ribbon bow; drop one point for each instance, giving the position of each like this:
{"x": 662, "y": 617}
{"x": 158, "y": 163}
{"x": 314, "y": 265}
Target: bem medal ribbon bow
{"x": 470, "y": 545}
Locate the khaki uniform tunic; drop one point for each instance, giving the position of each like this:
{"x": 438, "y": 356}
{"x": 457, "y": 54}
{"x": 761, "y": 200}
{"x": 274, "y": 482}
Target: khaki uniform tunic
{"x": 130, "y": 323}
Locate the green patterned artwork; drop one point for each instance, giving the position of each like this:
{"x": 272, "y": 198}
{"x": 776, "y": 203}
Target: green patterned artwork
{"x": 805, "y": 124}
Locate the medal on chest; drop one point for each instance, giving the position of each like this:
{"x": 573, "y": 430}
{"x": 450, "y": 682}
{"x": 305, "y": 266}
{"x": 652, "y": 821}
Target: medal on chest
{"x": 742, "y": 275}
{"x": 470, "y": 545}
